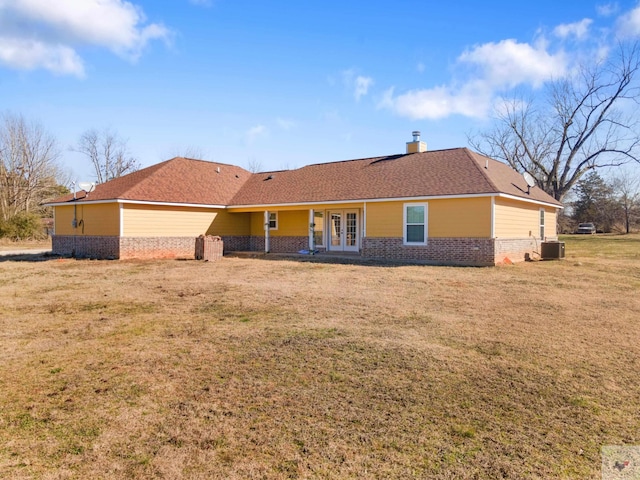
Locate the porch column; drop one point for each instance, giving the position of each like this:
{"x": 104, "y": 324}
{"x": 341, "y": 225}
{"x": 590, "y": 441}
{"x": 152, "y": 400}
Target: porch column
{"x": 266, "y": 231}
{"x": 311, "y": 230}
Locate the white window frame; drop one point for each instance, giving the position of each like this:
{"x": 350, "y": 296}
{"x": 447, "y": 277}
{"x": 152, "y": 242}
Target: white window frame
{"x": 273, "y": 219}
{"x": 404, "y": 223}
{"x": 541, "y": 221}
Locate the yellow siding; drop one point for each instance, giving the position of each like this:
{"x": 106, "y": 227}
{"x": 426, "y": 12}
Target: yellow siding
{"x": 92, "y": 219}
{"x": 163, "y": 221}
{"x": 466, "y": 217}
{"x": 226, "y": 223}
{"x": 515, "y": 219}
{"x": 460, "y": 218}
{"x": 293, "y": 223}
{"x": 385, "y": 219}
{"x": 63, "y": 218}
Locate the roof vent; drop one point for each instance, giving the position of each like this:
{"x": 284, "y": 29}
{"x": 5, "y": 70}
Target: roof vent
{"x": 416, "y": 146}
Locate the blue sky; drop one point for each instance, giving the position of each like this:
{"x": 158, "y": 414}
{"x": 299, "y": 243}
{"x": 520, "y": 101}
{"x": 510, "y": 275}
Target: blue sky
{"x": 285, "y": 84}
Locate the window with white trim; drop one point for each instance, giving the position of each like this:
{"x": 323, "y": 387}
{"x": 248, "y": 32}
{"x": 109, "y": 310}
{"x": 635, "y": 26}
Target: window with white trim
{"x": 542, "y": 224}
{"x": 273, "y": 220}
{"x": 415, "y": 224}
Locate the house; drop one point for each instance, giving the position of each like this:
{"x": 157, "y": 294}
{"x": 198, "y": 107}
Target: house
{"x": 442, "y": 207}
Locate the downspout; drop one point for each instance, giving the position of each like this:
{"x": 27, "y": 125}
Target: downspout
{"x": 266, "y": 231}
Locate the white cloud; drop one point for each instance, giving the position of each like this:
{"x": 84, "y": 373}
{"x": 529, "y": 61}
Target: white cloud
{"x": 256, "y": 132}
{"x": 362, "y": 85}
{"x": 421, "y": 67}
{"x": 490, "y": 68}
{"x": 24, "y": 54}
{"x": 628, "y": 24}
{"x": 64, "y": 25}
{"x": 509, "y": 63}
{"x": 358, "y": 83}
{"x": 579, "y": 30}
{"x": 285, "y": 123}
{"x": 607, "y": 9}
{"x": 472, "y": 100}
{"x": 201, "y": 3}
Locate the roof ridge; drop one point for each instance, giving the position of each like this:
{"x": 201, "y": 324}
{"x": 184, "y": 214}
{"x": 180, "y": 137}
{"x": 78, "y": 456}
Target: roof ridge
{"x": 483, "y": 171}
{"x": 211, "y": 162}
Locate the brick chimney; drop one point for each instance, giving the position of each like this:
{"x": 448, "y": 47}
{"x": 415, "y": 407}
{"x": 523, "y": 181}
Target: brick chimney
{"x": 416, "y": 146}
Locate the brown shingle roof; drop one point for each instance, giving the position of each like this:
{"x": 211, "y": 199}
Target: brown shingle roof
{"x": 179, "y": 180}
{"x": 437, "y": 173}
{"x": 456, "y": 171}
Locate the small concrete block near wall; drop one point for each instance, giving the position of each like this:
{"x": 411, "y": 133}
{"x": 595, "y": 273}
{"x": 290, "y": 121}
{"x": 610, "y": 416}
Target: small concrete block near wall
{"x": 209, "y": 248}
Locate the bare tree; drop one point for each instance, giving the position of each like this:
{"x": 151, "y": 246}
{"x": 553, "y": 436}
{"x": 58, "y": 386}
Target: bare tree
{"x": 254, "y": 165}
{"x": 588, "y": 121}
{"x": 28, "y": 166}
{"x": 190, "y": 151}
{"x": 627, "y": 190}
{"x": 108, "y": 153}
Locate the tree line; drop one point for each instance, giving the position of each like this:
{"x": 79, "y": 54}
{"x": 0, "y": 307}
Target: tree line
{"x": 31, "y": 171}
{"x": 613, "y": 205}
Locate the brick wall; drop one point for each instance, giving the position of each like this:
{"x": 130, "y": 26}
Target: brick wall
{"x": 279, "y": 244}
{"x": 113, "y": 247}
{"x": 516, "y": 249}
{"x": 106, "y": 247}
{"x": 444, "y": 251}
{"x": 237, "y": 243}
{"x": 157, "y": 247}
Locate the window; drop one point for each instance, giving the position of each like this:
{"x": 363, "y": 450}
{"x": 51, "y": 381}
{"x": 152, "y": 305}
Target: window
{"x": 273, "y": 220}
{"x": 542, "y": 224}
{"x": 318, "y": 229}
{"x": 415, "y": 224}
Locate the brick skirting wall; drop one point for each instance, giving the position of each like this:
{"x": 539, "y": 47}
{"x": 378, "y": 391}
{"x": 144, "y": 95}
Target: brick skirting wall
{"x": 236, "y": 243}
{"x": 517, "y": 249}
{"x": 105, "y": 247}
{"x": 279, "y": 244}
{"x": 157, "y": 247}
{"x": 438, "y": 251}
{"x": 112, "y": 247}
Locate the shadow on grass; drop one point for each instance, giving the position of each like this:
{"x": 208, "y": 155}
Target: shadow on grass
{"x": 28, "y": 257}
{"x": 343, "y": 259}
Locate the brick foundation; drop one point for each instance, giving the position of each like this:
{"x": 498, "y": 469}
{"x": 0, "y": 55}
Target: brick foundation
{"x": 438, "y": 251}
{"x": 517, "y": 249}
{"x": 237, "y": 243}
{"x": 279, "y": 244}
{"x": 112, "y": 247}
{"x": 105, "y": 247}
{"x": 157, "y": 247}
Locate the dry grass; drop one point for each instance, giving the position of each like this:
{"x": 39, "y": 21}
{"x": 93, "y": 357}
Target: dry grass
{"x": 6, "y": 244}
{"x": 249, "y": 368}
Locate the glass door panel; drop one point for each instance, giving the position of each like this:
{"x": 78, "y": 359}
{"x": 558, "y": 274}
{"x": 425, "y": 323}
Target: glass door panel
{"x": 336, "y": 230}
{"x": 351, "y": 233}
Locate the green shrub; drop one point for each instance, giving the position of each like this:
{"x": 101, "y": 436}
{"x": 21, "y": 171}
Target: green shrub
{"x": 22, "y": 226}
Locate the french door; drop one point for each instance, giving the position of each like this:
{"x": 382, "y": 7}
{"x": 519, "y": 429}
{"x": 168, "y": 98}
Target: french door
{"x": 344, "y": 235}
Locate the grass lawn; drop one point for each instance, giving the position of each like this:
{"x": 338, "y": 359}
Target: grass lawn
{"x": 249, "y": 368}
{"x": 6, "y": 245}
